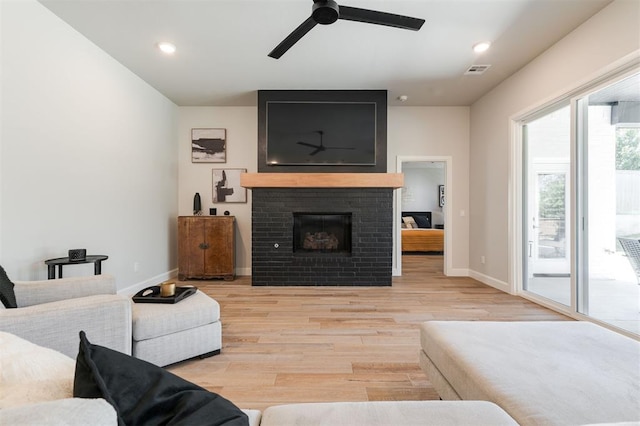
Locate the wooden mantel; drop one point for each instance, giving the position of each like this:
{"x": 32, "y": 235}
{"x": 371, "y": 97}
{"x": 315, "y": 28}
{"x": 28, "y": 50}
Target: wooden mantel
{"x": 322, "y": 180}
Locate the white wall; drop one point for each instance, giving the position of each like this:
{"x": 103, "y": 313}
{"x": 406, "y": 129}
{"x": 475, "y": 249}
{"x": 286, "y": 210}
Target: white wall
{"x": 89, "y": 158}
{"x": 420, "y": 190}
{"x": 242, "y": 152}
{"x": 598, "y": 45}
{"x": 440, "y": 131}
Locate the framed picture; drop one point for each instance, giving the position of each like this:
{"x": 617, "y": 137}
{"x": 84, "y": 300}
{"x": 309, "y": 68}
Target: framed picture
{"x": 441, "y": 195}
{"x": 208, "y": 145}
{"x": 226, "y": 186}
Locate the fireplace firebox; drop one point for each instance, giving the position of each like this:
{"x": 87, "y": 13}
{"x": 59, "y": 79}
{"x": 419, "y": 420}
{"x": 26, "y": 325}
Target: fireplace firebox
{"x": 321, "y": 234}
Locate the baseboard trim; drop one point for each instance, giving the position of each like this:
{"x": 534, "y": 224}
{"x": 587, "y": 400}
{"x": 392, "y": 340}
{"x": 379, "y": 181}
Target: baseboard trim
{"x": 458, "y": 272}
{"x": 133, "y": 289}
{"x": 454, "y": 272}
{"x": 490, "y": 281}
{"x": 243, "y": 272}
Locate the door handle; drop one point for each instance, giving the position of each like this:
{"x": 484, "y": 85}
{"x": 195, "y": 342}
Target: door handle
{"x": 204, "y": 246}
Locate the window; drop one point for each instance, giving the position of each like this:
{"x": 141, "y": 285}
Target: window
{"x": 547, "y": 185}
{"x": 608, "y": 289}
{"x": 580, "y": 195}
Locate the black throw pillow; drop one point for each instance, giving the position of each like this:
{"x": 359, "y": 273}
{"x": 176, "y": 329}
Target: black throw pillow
{"x": 422, "y": 221}
{"x": 7, "y": 295}
{"x": 145, "y": 394}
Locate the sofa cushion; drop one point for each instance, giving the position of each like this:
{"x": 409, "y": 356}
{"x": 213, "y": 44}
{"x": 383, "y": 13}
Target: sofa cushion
{"x": 152, "y": 320}
{"x": 30, "y": 373}
{"x": 63, "y": 412}
{"x": 384, "y": 413}
{"x": 143, "y": 393}
{"x": 7, "y": 295}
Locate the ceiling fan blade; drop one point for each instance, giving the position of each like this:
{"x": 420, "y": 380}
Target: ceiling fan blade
{"x": 317, "y": 151}
{"x": 310, "y": 145}
{"x": 293, "y": 38}
{"x": 380, "y": 18}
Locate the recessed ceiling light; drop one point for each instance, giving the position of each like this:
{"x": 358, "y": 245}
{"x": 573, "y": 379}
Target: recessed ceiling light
{"x": 167, "y": 47}
{"x": 483, "y": 46}
{"x": 403, "y": 98}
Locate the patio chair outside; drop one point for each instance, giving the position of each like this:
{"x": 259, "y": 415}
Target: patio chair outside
{"x": 631, "y": 248}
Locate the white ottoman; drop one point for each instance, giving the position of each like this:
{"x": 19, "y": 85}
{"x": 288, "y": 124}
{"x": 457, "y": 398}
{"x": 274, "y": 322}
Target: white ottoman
{"x": 167, "y": 333}
{"x": 539, "y": 372}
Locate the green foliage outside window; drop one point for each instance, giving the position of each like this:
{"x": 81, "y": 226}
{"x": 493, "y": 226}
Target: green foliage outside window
{"x": 628, "y": 149}
{"x": 552, "y": 196}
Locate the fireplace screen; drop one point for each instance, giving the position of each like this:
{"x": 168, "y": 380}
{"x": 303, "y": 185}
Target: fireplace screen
{"x": 317, "y": 233}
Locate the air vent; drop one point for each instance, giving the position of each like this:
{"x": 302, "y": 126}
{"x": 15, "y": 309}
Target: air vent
{"x": 476, "y": 69}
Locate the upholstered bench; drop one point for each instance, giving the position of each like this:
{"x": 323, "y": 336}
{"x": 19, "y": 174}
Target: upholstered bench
{"x": 385, "y": 413}
{"x": 167, "y": 333}
{"x": 543, "y": 372}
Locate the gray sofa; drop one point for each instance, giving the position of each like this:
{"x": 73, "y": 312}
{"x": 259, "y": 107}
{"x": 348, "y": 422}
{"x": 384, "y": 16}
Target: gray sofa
{"x": 39, "y": 381}
{"x": 37, "y": 388}
{"x": 51, "y": 313}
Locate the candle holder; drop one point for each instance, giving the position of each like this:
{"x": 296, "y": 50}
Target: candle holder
{"x": 167, "y": 289}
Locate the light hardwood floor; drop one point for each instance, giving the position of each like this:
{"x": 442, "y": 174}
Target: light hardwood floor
{"x": 305, "y": 344}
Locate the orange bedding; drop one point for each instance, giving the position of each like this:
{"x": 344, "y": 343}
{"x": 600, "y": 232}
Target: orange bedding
{"x": 422, "y": 240}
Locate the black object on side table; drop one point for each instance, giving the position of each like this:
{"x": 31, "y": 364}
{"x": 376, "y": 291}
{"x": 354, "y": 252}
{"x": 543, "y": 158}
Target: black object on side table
{"x": 60, "y": 261}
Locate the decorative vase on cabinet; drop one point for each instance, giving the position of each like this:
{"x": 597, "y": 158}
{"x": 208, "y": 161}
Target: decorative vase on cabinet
{"x": 206, "y": 247}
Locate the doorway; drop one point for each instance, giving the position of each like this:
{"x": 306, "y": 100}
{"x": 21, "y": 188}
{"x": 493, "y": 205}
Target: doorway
{"x": 549, "y": 253}
{"x": 438, "y": 181}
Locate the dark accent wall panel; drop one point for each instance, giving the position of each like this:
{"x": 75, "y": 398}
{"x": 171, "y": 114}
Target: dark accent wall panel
{"x": 273, "y": 260}
{"x": 379, "y": 97}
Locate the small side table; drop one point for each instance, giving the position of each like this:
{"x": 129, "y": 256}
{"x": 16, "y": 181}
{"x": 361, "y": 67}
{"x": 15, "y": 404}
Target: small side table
{"x": 60, "y": 261}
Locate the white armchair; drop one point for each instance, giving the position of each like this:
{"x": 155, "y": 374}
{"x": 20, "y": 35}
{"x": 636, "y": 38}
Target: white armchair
{"x": 51, "y": 313}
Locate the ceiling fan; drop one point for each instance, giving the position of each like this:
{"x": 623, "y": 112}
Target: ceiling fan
{"x": 327, "y": 12}
{"x": 321, "y": 147}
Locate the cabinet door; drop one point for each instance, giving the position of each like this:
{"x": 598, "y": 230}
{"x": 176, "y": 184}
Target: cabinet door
{"x": 190, "y": 252}
{"x": 219, "y": 257}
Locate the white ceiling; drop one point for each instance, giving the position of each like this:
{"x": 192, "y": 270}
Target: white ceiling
{"x": 223, "y": 45}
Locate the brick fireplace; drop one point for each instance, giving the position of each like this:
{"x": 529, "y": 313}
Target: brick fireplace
{"x": 361, "y": 207}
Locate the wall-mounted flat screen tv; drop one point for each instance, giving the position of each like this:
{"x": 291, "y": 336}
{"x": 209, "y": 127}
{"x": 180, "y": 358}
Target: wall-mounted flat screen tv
{"x": 308, "y": 133}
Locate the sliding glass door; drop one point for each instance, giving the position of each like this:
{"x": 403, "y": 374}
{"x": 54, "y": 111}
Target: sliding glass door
{"x": 581, "y": 204}
{"x": 547, "y": 262}
{"x": 610, "y": 289}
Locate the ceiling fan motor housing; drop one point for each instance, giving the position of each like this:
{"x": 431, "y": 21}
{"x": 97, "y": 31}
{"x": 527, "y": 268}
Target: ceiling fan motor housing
{"x": 325, "y": 12}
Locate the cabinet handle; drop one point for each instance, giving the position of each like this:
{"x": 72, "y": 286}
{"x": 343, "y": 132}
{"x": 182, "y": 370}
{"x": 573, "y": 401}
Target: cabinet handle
{"x": 204, "y": 246}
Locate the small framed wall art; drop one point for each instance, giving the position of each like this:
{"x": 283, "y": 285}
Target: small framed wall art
{"x": 226, "y": 186}
{"x": 441, "y": 195}
{"x": 208, "y": 145}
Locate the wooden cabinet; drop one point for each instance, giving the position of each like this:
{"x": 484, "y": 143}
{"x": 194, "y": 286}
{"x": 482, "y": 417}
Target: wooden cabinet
{"x": 206, "y": 247}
